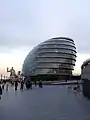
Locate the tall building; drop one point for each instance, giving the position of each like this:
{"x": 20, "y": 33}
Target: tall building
{"x": 55, "y": 57}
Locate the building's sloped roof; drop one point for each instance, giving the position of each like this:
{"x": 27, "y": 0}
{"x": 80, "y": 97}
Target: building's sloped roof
{"x": 63, "y": 38}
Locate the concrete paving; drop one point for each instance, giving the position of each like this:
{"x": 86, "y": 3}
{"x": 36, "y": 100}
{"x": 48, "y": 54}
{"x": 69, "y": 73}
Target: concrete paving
{"x": 47, "y": 103}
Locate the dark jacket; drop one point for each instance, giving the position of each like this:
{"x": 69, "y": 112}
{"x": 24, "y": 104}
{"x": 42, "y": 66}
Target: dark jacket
{"x": 0, "y": 90}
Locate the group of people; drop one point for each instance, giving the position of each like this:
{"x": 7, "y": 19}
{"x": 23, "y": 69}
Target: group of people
{"x": 2, "y": 85}
{"x": 27, "y": 83}
{"x": 76, "y": 88}
{"x": 18, "y": 78}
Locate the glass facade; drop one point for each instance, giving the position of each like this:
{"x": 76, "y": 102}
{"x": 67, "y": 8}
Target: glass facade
{"x": 55, "y": 56}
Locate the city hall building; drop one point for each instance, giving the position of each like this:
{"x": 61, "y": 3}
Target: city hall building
{"x": 53, "y": 59}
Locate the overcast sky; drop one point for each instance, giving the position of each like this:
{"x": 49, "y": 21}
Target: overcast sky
{"x": 26, "y": 23}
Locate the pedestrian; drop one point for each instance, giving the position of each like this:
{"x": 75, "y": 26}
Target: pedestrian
{"x": 31, "y": 84}
{"x": 28, "y": 83}
{"x": 0, "y": 91}
{"x": 16, "y": 84}
{"x": 66, "y": 80}
{"x": 3, "y": 86}
{"x": 40, "y": 84}
{"x": 22, "y": 84}
{"x": 35, "y": 83}
{"x": 7, "y": 86}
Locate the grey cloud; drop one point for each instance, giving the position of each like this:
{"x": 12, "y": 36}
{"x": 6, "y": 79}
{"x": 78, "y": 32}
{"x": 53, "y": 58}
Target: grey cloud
{"x": 26, "y": 23}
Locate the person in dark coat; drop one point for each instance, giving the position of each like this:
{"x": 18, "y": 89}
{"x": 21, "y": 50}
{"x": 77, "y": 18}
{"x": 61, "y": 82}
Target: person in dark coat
{"x": 0, "y": 91}
{"x": 40, "y": 84}
{"x": 16, "y": 85}
{"x": 3, "y": 86}
{"x": 22, "y": 84}
{"x": 31, "y": 84}
{"x": 35, "y": 83}
{"x": 27, "y": 84}
{"x": 16, "y": 82}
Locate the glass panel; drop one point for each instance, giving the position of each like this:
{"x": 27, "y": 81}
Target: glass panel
{"x": 56, "y": 50}
{"x": 52, "y": 71}
{"x": 56, "y": 60}
{"x": 57, "y": 55}
{"x": 52, "y": 65}
{"x": 59, "y": 41}
{"x": 57, "y": 47}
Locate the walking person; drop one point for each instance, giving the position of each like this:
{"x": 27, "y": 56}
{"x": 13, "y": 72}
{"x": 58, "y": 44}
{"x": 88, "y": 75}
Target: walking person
{"x": 16, "y": 85}
{"x": 22, "y": 84}
{"x": 40, "y": 84}
{"x": 7, "y": 86}
{"x": 3, "y": 85}
{"x": 35, "y": 83}
{"x": 31, "y": 84}
{"x": 0, "y": 92}
{"x": 16, "y": 82}
{"x": 28, "y": 83}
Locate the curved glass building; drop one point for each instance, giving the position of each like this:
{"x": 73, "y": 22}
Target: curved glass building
{"x": 55, "y": 57}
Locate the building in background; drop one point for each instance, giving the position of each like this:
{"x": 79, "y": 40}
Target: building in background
{"x": 52, "y": 59}
{"x": 85, "y": 76}
{"x": 85, "y": 70}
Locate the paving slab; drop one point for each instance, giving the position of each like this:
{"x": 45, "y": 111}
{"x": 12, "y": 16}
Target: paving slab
{"x": 47, "y": 103}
